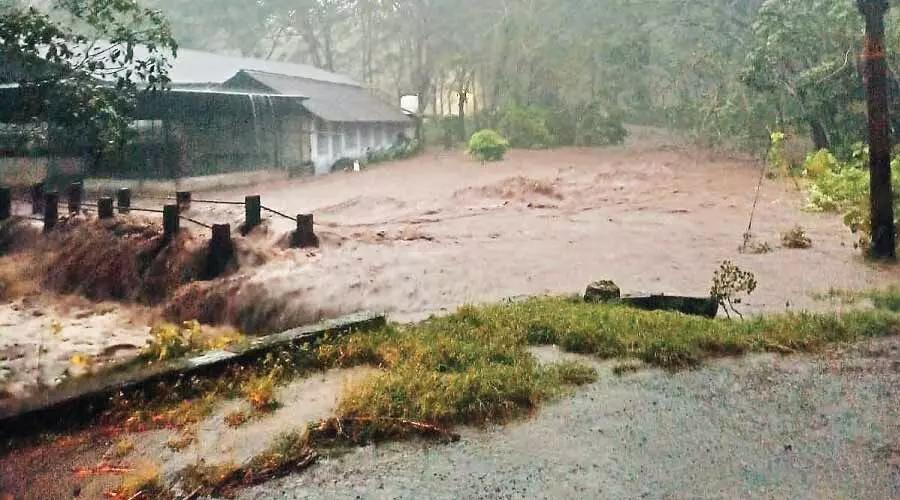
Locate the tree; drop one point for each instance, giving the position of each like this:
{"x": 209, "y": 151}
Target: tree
{"x": 880, "y": 195}
{"x": 803, "y": 58}
{"x": 81, "y": 64}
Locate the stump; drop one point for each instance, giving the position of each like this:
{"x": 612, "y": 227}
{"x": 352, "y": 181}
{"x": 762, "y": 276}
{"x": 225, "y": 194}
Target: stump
{"x": 304, "y": 236}
{"x": 602, "y": 291}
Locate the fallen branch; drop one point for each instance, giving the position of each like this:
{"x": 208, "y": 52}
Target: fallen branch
{"x": 375, "y": 428}
{"x": 101, "y": 469}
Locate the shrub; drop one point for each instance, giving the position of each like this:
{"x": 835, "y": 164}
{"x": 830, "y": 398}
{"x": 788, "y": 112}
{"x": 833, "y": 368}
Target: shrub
{"x": 818, "y": 163}
{"x": 526, "y": 127}
{"x": 729, "y": 282}
{"x": 597, "y": 126}
{"x": 796, "y": 238}
{"x": 488, "y": 145}
{"x": 843, "y": 187}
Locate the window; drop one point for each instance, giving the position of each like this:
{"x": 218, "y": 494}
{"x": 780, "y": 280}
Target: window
{"x": 322, "y": 144}
{"x": 322, "y": 138}
{"x": 350, "y": 137}
{"x": 337, "y": 148}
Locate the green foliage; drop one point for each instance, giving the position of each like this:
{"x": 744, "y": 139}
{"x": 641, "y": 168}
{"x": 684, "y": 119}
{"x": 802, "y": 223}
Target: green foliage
{"x": 777, "y": 160}
{"x": 800, "y": 61}
{"x": 596, "y": 126}
{"x": 843, "y": 187}
{"x": 488, "y": 145}
{"x": 886, "y": 299}
{"x": 536, "y": 127}
{"x": 91, "y": 85}
{"x": 168, "y": 341}
{"x": 526, "y": 127}
{"x": 818, "y": 163}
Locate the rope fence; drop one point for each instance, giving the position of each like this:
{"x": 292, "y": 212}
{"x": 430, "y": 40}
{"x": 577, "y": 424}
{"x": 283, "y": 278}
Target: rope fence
{"x": 276, "y": 212}
{"x": 48, "y": 204}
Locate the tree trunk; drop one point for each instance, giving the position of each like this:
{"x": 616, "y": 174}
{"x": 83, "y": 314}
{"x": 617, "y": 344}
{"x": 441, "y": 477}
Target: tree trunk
{"x": 881, "y": 197}
{"x": 329, "y": 49}
{"x": 463, "y": 98}
{"x": 819, "y": 137}
{"x": 434, "y": 100}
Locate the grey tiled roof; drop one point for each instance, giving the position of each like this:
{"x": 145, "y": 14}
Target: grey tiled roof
{"x": 195, "y": 67}
{"x": 334, "y": 102}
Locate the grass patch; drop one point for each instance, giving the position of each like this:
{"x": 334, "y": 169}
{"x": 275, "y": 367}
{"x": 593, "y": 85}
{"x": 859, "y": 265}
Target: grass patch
{"x": 627, "y": 367}
{"x": 473, "y": 366}
{"x": 887, "y": 299}
{"x": 236, "y": 419}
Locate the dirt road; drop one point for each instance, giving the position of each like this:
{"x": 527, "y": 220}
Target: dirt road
{"x": 762, "y": 427}
{"x": 440, "y": 230}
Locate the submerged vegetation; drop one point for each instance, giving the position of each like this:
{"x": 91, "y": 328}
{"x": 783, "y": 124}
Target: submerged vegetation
{"x": 842, "y": 187}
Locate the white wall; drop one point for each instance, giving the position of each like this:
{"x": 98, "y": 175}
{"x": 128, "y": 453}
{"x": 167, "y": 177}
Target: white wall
{"x": 329, "y": 141}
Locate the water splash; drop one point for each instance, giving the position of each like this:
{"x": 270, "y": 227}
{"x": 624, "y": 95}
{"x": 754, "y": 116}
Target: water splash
{"x": 255, "y": 121}
{"x": 274, "y": 131}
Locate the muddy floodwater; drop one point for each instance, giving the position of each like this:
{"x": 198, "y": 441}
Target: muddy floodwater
{"x": 430, "y": 233}
{"x": 425, "y": 235}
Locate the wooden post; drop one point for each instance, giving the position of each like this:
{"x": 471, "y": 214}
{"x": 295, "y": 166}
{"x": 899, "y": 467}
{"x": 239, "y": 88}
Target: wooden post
{"x": 183, "y": 199}
{"x": 123, "y": 198}
{"x": 304, "y": 236}
{"x": 881, "y": 200}
{"x": 221, "y": 251}
{"x": 171, "y": 221}
{"x": 105, "y": 208}
{"x": 5, "y": 203}
{"x": 51, "y": 210}
{"x": 253, "y": 213}
{"x": 37, "y": 198}
{"x": 75, "y": 194}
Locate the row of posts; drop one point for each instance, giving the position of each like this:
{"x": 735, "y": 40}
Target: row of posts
{"x": 47, "y": 204}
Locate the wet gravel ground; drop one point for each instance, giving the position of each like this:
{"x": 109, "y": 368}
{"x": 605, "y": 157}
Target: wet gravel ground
{"x": 761, "y": 427}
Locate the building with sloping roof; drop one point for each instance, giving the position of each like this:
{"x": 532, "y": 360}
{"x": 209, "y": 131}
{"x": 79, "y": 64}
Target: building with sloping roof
{"x": 225, "y": 114}
{"x": 348, "y": 119}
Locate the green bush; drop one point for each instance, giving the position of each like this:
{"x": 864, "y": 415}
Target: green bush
{"x": 526, "y": 127}
{"x": 843, "y": 187}
{"x": 488, "y": 145}
{"x": 597, "y": 126}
